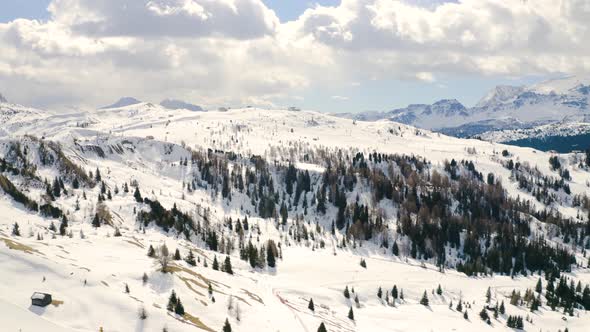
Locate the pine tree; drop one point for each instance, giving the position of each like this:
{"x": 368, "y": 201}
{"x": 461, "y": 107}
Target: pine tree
{"x": 395, "y": 249}
{"x": 179, "y": 308}
{"x": 63, "y": 226}
{"x": 215, "y": 263}
{"x": 172, "y": 301}
{"x": 379, "y": 293}
{"x": 311, "y": 306}
{"x": 210, "y": 289}
{"x": 465, "y": 315}
{"x": 151, "y": 251}
{"x": 502, "y": 308}
{"x": 439, "y": 290}
{"x": 190, "y": 259}
{"x": 270, "y": 254}
{"x": 227, "y": 265}
{"x": 126, "y": 288}
{"x": 394, "y": 292}
{"x": 56, "y": 188}
{"x": 322, "y": 328}
{"x": 363, "y": 263}
{"x": 539, "y": 287}
{"x": 226, "y": 326}
{"x": 424, "y": 300}
{"x": 144, "y": 278}
{"x": 350, "y": 314}
{"x": 96, "y": 221}
{"x": 176, "y": 256}
{"x": 137, "y": 195}
{"x": 488, "y": 295}
{"x": 459, "y": 306}
{"x": 346, "y": 293}
{"x": 15, "y": 229}
{"x": 483, "y": 314}
{"x": 97, "y": 177}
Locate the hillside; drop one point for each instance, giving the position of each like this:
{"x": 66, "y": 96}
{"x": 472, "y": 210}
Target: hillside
{"x": 280, "y": 207}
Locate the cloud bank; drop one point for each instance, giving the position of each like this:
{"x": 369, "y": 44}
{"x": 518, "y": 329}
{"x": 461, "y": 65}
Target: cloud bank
{"x": 224, "y": 52}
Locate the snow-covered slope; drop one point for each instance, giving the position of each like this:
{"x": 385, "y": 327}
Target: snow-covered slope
{"x": 87, "y": 270}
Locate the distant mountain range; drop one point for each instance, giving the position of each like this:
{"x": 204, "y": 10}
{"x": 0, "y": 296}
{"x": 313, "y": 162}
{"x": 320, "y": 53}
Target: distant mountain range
{"x": 172, "y": 104}
{"x": 503, "y": 108}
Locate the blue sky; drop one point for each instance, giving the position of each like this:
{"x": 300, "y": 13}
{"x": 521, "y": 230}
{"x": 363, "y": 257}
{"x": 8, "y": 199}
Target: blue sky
{"x": 338, "y": 96}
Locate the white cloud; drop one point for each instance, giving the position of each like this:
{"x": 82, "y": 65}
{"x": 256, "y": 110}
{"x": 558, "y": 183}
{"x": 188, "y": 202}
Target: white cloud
{"x": 340, "y": 98}
{"x": 237, "y": 52}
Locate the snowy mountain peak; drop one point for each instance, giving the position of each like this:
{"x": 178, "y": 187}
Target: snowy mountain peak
{"x": 175, "y": 104}
{"x": 500, "y": 95}
{"x": 125, "y": 101}
{"x": 564, "y": 85}
{"x": 2, "y": 99}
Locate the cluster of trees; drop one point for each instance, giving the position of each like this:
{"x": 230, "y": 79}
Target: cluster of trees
{"x": 515, "y": 322}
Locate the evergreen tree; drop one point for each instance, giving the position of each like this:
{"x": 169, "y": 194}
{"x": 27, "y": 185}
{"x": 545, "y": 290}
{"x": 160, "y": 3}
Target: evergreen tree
{"x": 151, "y": 251}
{"x": 137, "y": 195}
{"x": 176, "y": 256}
{"x": 215, "y": 263}
{"x": 226, "y": 326}
{"x": 439, "y": 290}
{"x": 15, "y": 229}
{"x": 346, "y": 293}
{"x": 190, "y": 259}
{"x": 363, "y": 263}
{"x": 379, "y": 293}
{"x": 172, "y": 301}
{"x": 488, "y": 295}
{"x": 465, "y": 315}
{"x": 311, "y": 306}
{"x": 96, "y": 221}
{"x": 395, "y": 249}
{"x": 483, "y": 314}
{"x": 126, "y": 288}
{"x": 179, "y": 308}
{"x": 270, "y": 254}
{"x": 502, "y": 308}
{"x": 56, "y": 188}
{"x": 322, "y": 328}
{"x": 394, "y": 292}
{"x": 539, "y": 287}
{"x": 97, "y": 177}
{"x": 424, "y": 300}
{"x": 459, "y": 306}
{"x": 63, "y": 226}
{"x": 350, "y": 314}
{"x": 227, "y": 265}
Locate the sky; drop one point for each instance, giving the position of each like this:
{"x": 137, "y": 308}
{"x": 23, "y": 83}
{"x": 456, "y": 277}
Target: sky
{"x": 325, "y": 55}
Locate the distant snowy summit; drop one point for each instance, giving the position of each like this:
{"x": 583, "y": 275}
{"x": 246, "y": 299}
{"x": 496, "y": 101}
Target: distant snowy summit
{"x": 504, "y": 107}
{"x": 123, "y": 102}
{"x": 175, "y": 104}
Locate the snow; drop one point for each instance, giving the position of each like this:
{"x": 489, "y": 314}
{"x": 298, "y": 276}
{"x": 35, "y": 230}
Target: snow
{"x": 87, "y": 275}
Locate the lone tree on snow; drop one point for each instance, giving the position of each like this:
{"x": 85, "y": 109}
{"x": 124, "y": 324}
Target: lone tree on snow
{"x": 164, "y": 258}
